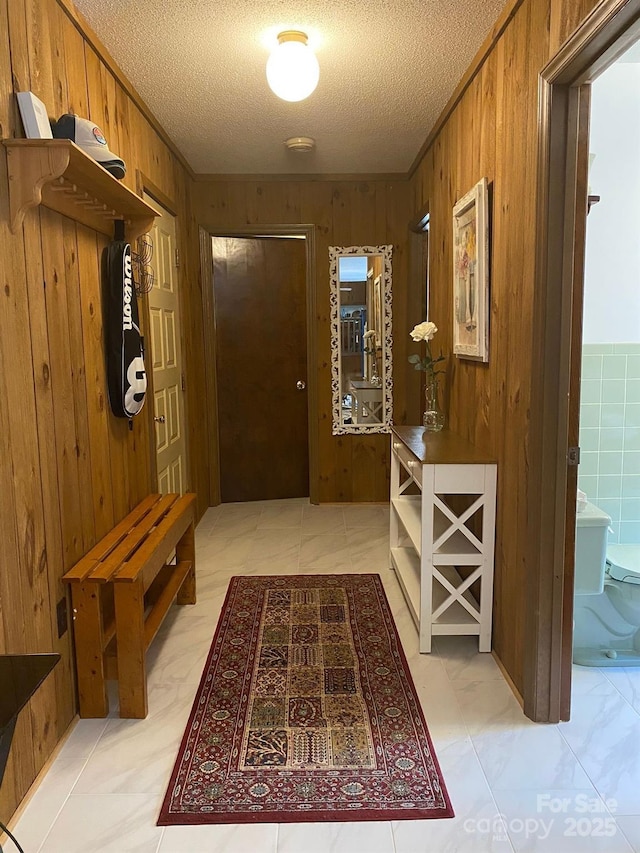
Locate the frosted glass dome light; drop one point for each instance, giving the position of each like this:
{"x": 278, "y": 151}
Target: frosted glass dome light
{"x": 292, "y": 69}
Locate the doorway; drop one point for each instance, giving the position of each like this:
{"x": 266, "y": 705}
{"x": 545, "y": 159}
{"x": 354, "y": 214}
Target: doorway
{"x": 166, "y": 357}
{"x": 260, "y": 309}
{"x": 557, "y": 347}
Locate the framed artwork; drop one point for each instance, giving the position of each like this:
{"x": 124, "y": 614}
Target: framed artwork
{"x": 471, "y": 274}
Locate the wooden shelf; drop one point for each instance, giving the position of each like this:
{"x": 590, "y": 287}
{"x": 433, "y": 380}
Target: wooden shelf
{"x": 406, "y": 565}
{"x": 60, "y": 176}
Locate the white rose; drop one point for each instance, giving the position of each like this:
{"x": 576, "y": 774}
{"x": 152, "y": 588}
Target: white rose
{"x": 424, "y": 331}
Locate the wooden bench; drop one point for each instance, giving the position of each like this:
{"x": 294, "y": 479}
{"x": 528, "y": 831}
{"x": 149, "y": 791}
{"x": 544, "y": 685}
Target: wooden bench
{"x": 121, "y": 591}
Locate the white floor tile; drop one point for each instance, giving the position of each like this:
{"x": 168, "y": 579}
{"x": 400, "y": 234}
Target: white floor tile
{"x": 477, "y": 825}
{"x": 43, "y": 808}
{"x": 489, "y": 705}
{"x": 248, "y": 838}
{"x": 323, "y": 519}
{"x": 528, "y": 757}
{"x": 372, "y": 837}
{"x": 365, "y": 515}
{"x": 279, "y": 547}
{"x": 280, "y": 515}
{"x": 626, "y": 680}
{"x": 604, "y": 734}
{"x": 112, "y": 823}
{"x": 324, "y": 552}
{"x": 127, "y": 758}
{"x": 630, "y": 827}
{"x": 587, "y": 680}
{"x": 462, "y": 660}
{"x": 104, "y": 791}
{"x": 560, "y": 821}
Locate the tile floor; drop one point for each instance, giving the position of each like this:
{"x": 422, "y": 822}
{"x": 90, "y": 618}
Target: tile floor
{"x": 515, "y": 785}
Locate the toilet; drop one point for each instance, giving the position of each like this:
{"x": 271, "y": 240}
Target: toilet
{"x": 606, "y": 628}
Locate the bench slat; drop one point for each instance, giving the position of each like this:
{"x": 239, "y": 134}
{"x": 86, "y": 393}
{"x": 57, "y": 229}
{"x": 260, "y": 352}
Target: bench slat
{"x": 134, "y": 540}
{"x": 151, "y": 555}
{"x": 81, "y": 570}
{"x": 163, "y": 602}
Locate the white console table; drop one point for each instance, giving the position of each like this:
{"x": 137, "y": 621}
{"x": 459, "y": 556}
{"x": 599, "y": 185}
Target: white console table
{"x": 367, "y": 401}
{"x": 442, "y": 532}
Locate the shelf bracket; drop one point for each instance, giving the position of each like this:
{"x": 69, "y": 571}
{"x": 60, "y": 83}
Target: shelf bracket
{"x": 30, "y": 171}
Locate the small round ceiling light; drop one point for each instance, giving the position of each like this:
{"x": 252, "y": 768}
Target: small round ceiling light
{"x": 300, "y": 143}
{"x": 292, "y": 69}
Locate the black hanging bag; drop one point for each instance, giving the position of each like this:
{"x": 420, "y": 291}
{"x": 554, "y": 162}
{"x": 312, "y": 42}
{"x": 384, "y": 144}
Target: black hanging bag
{"x": 126, "y": 375}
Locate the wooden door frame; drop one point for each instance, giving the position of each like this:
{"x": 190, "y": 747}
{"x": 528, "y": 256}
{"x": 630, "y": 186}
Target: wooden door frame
{"x": 563, "y": 124}
{"x": 308, "y": 232}
{"x": 146, "y": 185}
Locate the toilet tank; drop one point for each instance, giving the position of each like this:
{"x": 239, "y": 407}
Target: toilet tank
{"x": 592, "y": 527}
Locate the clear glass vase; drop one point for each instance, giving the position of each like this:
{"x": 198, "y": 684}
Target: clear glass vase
{"x": 433, "y": 418}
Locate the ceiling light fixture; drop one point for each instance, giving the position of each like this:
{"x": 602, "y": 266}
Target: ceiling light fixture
{"x": 292, "y": 69}
{"x": 300, "y": 143}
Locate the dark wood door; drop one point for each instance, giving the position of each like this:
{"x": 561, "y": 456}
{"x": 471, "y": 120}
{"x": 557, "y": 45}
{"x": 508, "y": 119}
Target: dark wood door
{"x": 261, "y": 354}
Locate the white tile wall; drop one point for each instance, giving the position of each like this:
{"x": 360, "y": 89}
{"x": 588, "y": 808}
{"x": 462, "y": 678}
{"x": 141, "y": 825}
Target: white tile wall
{"x": 610, "y": 434}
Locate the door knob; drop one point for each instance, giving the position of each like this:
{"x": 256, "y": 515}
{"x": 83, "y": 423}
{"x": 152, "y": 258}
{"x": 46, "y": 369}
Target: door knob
{"x": 159, "y": 419}
{"x": 301, "y": 384}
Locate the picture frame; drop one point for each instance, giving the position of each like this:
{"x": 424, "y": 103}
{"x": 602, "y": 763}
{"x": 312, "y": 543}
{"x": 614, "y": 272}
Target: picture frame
{"x": 471, "y": 274}
{"x": 34, "y": 116}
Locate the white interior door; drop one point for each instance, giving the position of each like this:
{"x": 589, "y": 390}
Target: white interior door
{"x": 166, "y": 357}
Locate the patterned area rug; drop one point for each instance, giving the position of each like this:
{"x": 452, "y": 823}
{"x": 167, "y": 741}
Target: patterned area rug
{"x": 305, "y": 712}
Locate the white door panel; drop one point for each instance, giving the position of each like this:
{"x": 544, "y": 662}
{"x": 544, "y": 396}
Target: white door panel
{"x": 166, "y": 358}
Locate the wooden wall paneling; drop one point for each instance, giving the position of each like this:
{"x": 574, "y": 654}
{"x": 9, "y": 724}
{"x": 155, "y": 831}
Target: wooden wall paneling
{"x": 212, "y": 204}
{"x": 364, "y": 216}
{"x": 517, "y": 276}
{"x": 28, "y": 580}
{"x": 492, "y": 132}
{"x": 12, "y": 605}
{"x": 101, "y": 96}
{"x": 344, "y": 213}
{"x": 75, "y": 69}
{"x": 69, "y": 468}
{"x": 368, "y": 227}
{"x": 192, "y": 348}
{"x": 485, "y": 107}
{"x": 406, "y": 294}
{"x": 63, "y": 427}
{"x": 17, "y": 54}
{"x": 274, "y": 201}
{"x": 98, "y": 412}
{"x": 316, "y": 199}
{"x": 39, "y": 51}
{"x": 11, "y": 597}
{"x": 102, "y": 111}
{"x": 72, "y": 303}
{"x": 564, "y": 19}
{"x": 127, "y": 140}
{"x": 341, "y": 446}
{"x": 509, "y": 279}
{"x": 63, "y": 674}
{"x": 211, "y": 396}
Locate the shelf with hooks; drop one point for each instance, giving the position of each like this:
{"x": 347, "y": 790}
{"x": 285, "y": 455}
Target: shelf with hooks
{"x": 60, "y": 176}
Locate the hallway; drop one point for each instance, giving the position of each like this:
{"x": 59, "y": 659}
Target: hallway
{"x": 515, "y": 785}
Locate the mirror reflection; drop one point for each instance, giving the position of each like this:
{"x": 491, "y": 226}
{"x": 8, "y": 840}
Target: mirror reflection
{"x": 361, "y": 338}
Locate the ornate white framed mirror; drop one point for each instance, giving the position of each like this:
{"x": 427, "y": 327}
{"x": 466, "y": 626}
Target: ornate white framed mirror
{"x": 361, "y": 339}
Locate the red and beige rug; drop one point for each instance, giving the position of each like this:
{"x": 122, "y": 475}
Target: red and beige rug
{"x": 306, "y": 711}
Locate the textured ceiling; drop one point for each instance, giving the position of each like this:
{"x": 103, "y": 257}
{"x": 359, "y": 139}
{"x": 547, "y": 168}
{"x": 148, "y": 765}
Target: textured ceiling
{"x": 387, "y": 68}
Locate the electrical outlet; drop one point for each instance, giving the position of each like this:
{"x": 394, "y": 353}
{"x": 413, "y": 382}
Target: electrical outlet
{"x": 63, "y": 618}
